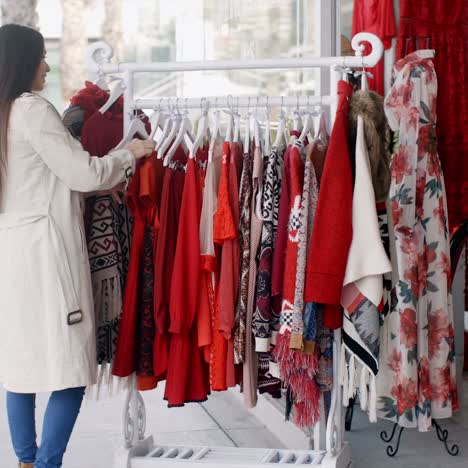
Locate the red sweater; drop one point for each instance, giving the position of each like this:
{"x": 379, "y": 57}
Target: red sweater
{"x": 332, "y": 232}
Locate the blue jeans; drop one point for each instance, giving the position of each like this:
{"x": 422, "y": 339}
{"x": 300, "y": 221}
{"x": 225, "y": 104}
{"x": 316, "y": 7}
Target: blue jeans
{"x": 60, "y": 416}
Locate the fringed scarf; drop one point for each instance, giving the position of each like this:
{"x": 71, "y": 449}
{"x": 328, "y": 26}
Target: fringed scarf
{"x": 298, "y": 368}
{"x": 362, "y": 296}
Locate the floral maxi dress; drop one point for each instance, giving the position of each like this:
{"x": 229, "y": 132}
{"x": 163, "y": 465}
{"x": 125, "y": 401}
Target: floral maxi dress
{"x": 416, "y": 381}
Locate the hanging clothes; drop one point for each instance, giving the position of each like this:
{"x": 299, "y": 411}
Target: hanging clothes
{"x": 272, "y": 179}
{"x": 417, "y": 380}
{"x": 125, "y": 361}
{"x": 210, "y": 339}
{"x": 250, "y": 369}
{"x": 362, "y": 296}
{"x": 296, "y": 368}
{"x": 332, "y": 232}
{"x": 263, "y": 315}
{"x": 171, "y": 199}
{"x": 245, "y": 201}
{"x": 443, "y": 27}
{"x": 317, "y": 337}
{"x": 149, "y": 192}
{"x": 107, "y": 222}
{"x": 226, "y": 224}
{"x": 187, "y": 373}
{"x": 376, "y": 17}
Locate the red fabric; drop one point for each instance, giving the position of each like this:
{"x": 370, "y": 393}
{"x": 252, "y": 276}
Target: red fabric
{"x": 295, "y": 184}
{"x": 226, "y": 226}
{"x": 279, "y": 253}
{"x": 150, "y": 174}
{"x": 443, "y": 26}
{"x": 171, "y": 199}
{"x": 125, "y": 354}
{"x": 91, "y": 98}
{"x": 332, "y": 231}
{"x": 187, "y": 374}
{"x": 377, "y": 17}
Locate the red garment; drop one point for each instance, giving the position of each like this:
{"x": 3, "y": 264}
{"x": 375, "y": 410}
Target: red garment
{"x": 226, "y": 223}
{"x": 125, "y": 355}
{"x": 443, "y": 26}
{"x": 171, "y": 199}
{"x": 296, "y": 184}
{"x": 279, "y": 253}
{"x": 141, "y": 200}
{"x": 91, "y": 98}
{"x": 187, "y": 374}
{"x": 377, "y": 17}
{"x": 150, "y": 174}
{"x": 332, "y": 231}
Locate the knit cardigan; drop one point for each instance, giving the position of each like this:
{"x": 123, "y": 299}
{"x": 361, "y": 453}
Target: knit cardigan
{"x": 332, "y": 231}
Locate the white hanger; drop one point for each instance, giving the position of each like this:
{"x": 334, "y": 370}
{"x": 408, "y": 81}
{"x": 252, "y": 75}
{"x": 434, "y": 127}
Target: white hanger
{"x": 247, "y": 131}
{"x": 257, "y": 133}
{"x": 215, "y": 134}
{"x": 267, "y": 144}
{"x": 297, "y": 122}
{"x": 165, "y": 130}
{"x": 322, "y": 133}
{"x": 137, "y": 127}
{"x": 176, "y": 120}
{"x": 281, "y": 130}
{"x": 117, "y": 88}
{"x": 155, "y": 121}
{"x": 101, "y": 81}
{"x": 184, "y": 131}
{"x": 308, "y": 128}
{"x": 237, "y": 124}
{"x": 201, "y": 131}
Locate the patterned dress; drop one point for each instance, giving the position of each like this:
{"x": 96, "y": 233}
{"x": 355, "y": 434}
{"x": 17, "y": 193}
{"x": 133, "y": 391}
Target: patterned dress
{"x": 263, "y": 313}
{"x": 417, "y": 381}
{"x": 245, "y": 197}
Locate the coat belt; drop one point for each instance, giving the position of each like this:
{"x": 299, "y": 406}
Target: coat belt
{"x": 60, "y": 257}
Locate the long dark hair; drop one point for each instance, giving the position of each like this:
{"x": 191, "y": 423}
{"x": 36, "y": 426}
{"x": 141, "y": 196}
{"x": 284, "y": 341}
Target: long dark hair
{"x": 21, "y": 51}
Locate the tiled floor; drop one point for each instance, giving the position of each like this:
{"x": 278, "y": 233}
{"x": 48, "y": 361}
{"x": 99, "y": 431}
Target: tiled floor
{"x": 223, "y": 421}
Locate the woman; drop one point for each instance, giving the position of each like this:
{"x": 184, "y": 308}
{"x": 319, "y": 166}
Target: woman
{"x": 47, "y": 341}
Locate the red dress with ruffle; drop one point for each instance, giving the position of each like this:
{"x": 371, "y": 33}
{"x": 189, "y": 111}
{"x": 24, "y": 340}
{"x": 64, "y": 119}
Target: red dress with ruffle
{"x": 171, "y": 199}
{"x": 187, "y": 373}
{"x": 443, "y": 26}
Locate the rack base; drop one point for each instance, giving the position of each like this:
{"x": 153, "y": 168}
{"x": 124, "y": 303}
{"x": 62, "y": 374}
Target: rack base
{"x": 147, "y": 454}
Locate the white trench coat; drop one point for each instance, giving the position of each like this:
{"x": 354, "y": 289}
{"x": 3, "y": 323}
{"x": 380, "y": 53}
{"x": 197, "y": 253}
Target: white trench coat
{"x": 47, "y": 330}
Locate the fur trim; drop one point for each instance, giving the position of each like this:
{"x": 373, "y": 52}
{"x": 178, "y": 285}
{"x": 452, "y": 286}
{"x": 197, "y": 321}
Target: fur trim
{"x": 370, "y": 106}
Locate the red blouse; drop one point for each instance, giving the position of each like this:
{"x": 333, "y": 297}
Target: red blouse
{"x": 187, "y": 374}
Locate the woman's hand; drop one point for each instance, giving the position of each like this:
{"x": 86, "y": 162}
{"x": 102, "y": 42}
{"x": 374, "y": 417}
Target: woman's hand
{"x": 140, "y": 148}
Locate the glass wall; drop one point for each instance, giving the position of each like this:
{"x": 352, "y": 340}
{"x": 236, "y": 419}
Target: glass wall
{"x": 162, "y": 30}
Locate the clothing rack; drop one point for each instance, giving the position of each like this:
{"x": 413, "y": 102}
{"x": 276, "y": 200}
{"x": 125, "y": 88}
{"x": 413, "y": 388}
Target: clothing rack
{"x": 329, "y": 449}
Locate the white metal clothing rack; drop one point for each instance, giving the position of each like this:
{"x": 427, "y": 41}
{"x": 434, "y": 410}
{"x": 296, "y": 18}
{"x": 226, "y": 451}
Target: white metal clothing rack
{"x": 329, "y": 449}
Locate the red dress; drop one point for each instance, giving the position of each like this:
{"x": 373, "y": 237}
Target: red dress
{"x": 150, "y": 174}
{"x": 125, "y": 355}
{"x": 226, "y": 223}
{"x": 187, "y": 373}
{"x": 171, "y": 199}
{"x": 442, "y": 25}
{"x": 377, "y": 17}
{"x": 131, "y": 351}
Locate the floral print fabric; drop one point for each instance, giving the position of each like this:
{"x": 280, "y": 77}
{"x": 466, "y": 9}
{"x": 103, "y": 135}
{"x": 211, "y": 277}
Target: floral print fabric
{"x": 417, "y": 368}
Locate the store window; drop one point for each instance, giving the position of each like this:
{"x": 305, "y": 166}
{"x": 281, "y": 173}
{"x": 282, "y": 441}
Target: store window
{"x": 161, "y": 30}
